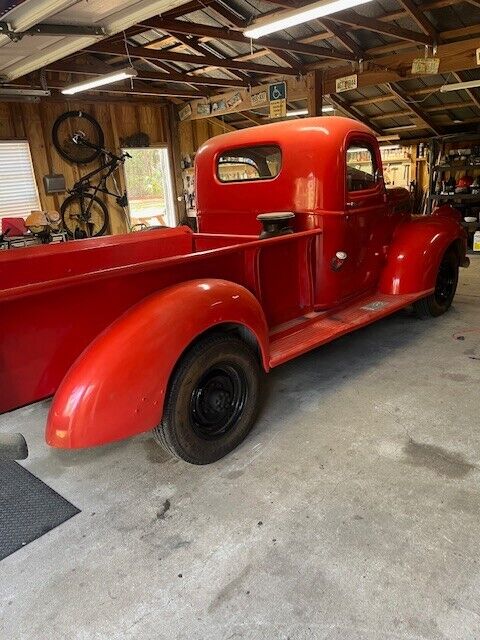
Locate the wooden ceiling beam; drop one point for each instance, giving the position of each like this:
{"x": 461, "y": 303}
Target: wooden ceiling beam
{"x": 230, "y": 15}
{"x": 473, "y": 94}
{"x": 393, "y": 114}
{"x": 181, "y": 26}
{"x": 351, "y": 18}
{"x": 418, "y": 15}
{"x": 418, "y": 111}
{"x": 209, "y": 60}
{"x": 68, "y": 67}
{"x": 342, "y": 105}
{"x": 343, "y": 37}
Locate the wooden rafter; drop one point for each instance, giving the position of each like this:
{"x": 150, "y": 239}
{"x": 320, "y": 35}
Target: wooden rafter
{"x": 473, "y": 94}
{"x": 413, "y": 106}
{"x": 181, "y": 26}
{"x": 351, "y": 18}
{"x": 343, "y": 37}
{"x": 69, "y": 67}
{"x": 342, "y": 105}
{"x": 418, "y": 15}
{"x": 153, "y": 54}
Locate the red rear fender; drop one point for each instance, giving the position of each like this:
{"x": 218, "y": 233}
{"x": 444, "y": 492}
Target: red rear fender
{"x": 416, "y": 251}
{"x": 117, "y": 387}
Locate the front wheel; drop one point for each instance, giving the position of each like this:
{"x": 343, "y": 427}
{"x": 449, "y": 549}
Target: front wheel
{"x": 213, "y": 400}
{"x": 84, "y": 216}
{"x": 445, "y": 286}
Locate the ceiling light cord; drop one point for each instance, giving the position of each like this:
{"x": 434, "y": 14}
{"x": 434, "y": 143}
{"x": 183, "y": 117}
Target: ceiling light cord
{"x": 128, "y": 56}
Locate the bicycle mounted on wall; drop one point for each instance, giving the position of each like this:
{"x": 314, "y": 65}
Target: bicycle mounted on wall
{"x": 78, "y": 138}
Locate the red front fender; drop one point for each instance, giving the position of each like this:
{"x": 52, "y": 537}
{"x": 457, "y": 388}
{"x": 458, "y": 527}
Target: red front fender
{"x": 116, "y": 388}
{"x": 416, "y": 252}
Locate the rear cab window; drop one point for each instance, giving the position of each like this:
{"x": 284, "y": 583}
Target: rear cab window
{"x": 247, "y": 164}
{"x": 362, "y": 169}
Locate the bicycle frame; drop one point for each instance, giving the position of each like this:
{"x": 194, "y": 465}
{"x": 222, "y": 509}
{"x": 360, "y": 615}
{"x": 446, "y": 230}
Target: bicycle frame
{"x": 83, "y": 185}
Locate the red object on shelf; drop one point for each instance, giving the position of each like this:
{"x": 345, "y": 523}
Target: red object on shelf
{"x": 102, "y": 323}
{"x": 13, "y": 227}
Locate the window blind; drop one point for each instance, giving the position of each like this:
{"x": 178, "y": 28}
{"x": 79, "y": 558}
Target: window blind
{"x": 18, "y": 189}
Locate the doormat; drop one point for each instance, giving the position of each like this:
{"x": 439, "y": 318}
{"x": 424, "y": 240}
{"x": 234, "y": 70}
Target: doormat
{"x": 28, "y": 508}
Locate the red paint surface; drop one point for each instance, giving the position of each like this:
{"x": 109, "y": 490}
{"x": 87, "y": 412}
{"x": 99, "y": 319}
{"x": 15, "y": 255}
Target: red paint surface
{"x": 102, "y": 322}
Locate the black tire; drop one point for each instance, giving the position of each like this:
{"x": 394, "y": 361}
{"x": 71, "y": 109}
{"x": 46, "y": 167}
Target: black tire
{"x": 72, "y": 224}
{"x": 69, "y": 123}
{"x": 213, "y": 400}
{"x": 441, "y": 299}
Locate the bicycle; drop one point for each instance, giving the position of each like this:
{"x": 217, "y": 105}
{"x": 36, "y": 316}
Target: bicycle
{"x": 83, "y": 213}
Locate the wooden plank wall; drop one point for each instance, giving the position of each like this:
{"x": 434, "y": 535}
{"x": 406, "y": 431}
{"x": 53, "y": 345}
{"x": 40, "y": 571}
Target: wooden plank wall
{"x": 34, "y": 122}
{"x": 193, "y": 133}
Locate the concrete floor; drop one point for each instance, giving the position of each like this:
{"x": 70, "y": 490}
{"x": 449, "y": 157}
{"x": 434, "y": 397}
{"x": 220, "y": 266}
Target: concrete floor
{"x": 351, "y": 512}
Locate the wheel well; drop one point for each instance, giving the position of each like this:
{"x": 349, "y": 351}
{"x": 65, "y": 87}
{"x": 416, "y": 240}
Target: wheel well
{"x": 457, "y": 246}
{"x": 239, "y": 330}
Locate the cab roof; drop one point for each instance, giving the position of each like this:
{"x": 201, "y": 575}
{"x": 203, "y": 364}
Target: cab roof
{"x": 333, "y": 129}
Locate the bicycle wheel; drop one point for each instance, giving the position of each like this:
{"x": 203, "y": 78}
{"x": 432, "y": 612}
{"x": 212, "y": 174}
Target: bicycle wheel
{"x": 77, "y": 122}
{"x": 74, "y": 219}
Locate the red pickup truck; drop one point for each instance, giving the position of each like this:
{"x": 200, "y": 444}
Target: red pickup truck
{"x": 171, "y": 330}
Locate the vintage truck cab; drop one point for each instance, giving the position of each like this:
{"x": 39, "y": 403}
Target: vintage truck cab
{"x": 170, "y": 330}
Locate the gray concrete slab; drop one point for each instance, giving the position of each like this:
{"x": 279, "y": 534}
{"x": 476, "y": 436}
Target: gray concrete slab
{"x": 351, "y": 512}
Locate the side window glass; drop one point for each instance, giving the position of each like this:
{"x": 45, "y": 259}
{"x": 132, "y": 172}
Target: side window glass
{"x": 362, "y": 170}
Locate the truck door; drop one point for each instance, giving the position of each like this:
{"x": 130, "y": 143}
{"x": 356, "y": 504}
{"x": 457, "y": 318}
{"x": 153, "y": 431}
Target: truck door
{"x": 365, "y": 224}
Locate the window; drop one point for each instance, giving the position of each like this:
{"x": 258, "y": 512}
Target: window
{"x": 18, "y": 189}
{"x": 149, "y": 187}
{"x": 361, "y": 167}
{"x": 249, "y": 163}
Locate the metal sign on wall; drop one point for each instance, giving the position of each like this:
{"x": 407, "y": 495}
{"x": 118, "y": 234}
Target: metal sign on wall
{"x": 277, "y": 95}
{"x": 347, "y": 83}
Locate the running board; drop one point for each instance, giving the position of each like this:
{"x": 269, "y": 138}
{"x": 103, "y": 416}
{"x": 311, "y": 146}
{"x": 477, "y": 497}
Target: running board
{"x": 320, "y": 328}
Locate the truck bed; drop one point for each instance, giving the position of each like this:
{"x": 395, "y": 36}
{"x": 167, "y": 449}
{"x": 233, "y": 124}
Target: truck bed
{"x": 54, "y": 300}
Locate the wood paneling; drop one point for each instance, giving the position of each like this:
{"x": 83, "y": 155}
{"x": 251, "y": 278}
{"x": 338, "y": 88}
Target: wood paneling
{"x": 193, "y": 133}
{"x": 34, "y": 122}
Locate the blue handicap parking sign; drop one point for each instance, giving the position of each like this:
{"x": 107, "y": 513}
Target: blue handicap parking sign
{"x": 277, "y": 91}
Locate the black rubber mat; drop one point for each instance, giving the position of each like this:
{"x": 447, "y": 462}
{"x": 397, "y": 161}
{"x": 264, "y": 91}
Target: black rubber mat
{"x": 28, "y": 508}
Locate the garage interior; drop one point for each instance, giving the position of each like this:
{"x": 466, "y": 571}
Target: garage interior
{"x": 349, "y": 511}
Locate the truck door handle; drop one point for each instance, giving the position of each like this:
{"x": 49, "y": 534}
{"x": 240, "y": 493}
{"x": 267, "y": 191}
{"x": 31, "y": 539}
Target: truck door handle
{"x": 353, "y": 204}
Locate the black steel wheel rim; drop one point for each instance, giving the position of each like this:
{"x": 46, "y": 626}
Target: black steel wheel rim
{"x": 446, "y": 282}
{"x": 218, "y": 400}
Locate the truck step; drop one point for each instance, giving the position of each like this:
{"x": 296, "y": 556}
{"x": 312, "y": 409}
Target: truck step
{"x": 323, "y": 327}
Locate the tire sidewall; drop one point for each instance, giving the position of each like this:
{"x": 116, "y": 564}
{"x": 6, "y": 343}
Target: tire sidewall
{"x": 437, "y": 309}
{"x": 180, "y": 433}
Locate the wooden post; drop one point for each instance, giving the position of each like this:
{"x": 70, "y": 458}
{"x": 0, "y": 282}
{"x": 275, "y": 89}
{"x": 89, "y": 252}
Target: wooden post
{"x": 315, "y": 92}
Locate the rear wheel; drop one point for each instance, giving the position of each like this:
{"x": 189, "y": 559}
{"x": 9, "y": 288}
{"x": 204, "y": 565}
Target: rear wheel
{"x": 77, "y": 222}
{"x": 213, "y": 400}
{"x": 445, "y": 286}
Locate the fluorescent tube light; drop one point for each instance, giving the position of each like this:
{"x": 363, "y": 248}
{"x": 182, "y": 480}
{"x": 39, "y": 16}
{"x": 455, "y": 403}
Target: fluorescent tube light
{"x": 388, "y": 138}
{"x": 389, "y": 146}
{"x": 291, "y": 18}
{"x": 471, "y": 84}
{"x": 304, "y": 112}
{"x": 115, "y": 76}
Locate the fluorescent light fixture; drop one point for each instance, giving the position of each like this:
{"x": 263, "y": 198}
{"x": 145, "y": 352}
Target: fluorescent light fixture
{"x": 115, "y": 76}
{"x": 395, "y": 136}
{"x": 297, "y": 112}
{"x": 24, "y": 93}
{"x": 304, "y": 112}
{"x": 458, "y": 86}
{"x": 389, "y": 146}
{"x": 293, "y": 17}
